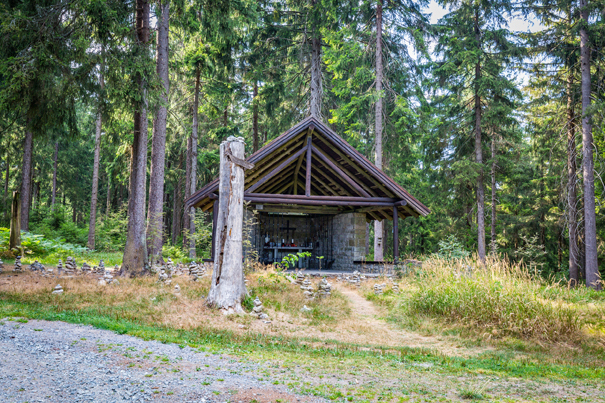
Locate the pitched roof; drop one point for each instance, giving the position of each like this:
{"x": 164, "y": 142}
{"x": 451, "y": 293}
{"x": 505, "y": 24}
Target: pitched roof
{"x": 337, "y": 169}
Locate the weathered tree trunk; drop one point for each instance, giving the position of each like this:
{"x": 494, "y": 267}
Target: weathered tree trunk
{"x": 493, "y": 226}
{"x": 572, "y": 214}
{"x": 54, "y": 191}
{"x": 15, "y": 230}
{"x": 255, "y": 117}
{"x": 135, "y": 251}
{"x": 95, "y": 181}
{"x": 192, "y": 179}
{"x": 479, "y": 153}
{"x": 155, "y": 217}
{"x": 378, "y": 225}
{"x": 6, "y": 177}
{"x": 26, "y": 181}
{"x": 590, "y": 223}
{"x": 227, "y": 288}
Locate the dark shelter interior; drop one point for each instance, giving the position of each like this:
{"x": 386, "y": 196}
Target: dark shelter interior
{"x": 313, "y": 192}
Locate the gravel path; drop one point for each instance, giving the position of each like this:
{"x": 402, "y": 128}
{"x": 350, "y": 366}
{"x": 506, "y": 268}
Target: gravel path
{"x": 59, "y": 362}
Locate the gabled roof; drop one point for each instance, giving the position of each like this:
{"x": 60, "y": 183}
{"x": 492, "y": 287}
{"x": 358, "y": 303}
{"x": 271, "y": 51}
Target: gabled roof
{"x": 337, "y": 170}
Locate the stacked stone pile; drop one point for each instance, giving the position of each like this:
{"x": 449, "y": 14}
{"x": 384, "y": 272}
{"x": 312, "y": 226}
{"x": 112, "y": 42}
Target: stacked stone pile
{"x": 60, "y": 267}
{"x": 339, "y": 278}
{"x": 58, "y": 289}
{"x": 116, "y": 268}
{"x": 300, "y": 278}
{"x": 86, "y": 268}
{"x": 379, "y": 289}
{"x": 100, "y": 269}
{"x": 196, "y": 270}
{"x": 395, "y": 288}
{"x": 18, "y": 268}
{"x": 325, "y": 289}
{"x": 70, "y": 265}
{"x": 36, "y": 266}
{"x": 307, "y": 288}
{"x": 1, "y": 266}
{"x": 177, "y": 289}
{"x": 355, "y": 279}
{"x": 165, "y": 274}
{"x": 258, "y": 310}
{"x": 108, "y": 278}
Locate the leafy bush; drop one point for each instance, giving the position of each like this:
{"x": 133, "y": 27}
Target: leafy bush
{"x": 37, "y": 245}
{"x": 110, "y": 231}
{"x": 54, "y": 224}
{"x": 451, "y": 248}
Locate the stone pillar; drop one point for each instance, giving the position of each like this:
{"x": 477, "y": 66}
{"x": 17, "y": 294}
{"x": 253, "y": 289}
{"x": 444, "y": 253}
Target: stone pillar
{"x": 349, "y": 242}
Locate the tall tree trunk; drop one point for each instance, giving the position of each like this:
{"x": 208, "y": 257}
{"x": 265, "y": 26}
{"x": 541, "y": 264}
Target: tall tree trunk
{"x": 176, "y": 212}
{"x": 590, "y": 223}
{"x": 54, "y": 193}
{"x": 135, "y": 251}
{"x": 108, "y": 203}
{"x": 26, "y": 181}
{"x": 493, "y": 228}
{"x": 316, "y": 79}
{"x": 378, "y": 225}
{"x": 15, "y": 226}
{"x": 479, "y": 153}
{"x": 6, "y": 177}
{"x": 155, "y": 217}
{"x": 255, "y": 117}
{"x": 572, "y": 214}
{"x": 95, "y": 180}
{"x": 192, "y": 179}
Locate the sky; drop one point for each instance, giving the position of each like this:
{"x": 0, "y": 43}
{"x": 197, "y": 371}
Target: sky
{"x": 518, "y": 23}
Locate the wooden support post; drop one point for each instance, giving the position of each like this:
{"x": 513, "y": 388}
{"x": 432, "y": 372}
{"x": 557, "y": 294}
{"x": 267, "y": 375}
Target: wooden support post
{"x": 15, "y": 230}
{"x": 308, "y": 173}
{"x": 228, "y": 288}
{"x": 395, "y": 235}
{"x": 214, "y": 224}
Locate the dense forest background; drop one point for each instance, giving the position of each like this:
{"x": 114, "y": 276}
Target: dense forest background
{"x": 117, "y": 108}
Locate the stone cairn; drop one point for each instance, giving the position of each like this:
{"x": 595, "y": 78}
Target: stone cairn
{"x": 307, "y": 288}
{"x": 107, "y": 277}
{"x": 1, "y": 266}
{"x": 165, "y": 273}
{"x": 258, "y": 310}
{"x": 18, "y": 268}
{"x": 395, "y": 288}
{"x": 60, "y": 267}
{"x": 177, "y": 289}
{"x": 36, "y": 266}
{"x": 100, "y": 269}
{"x": 355, "y": 279}
{"x": 325, "y": 289}
{"x": 70, "y": 266}
{"x": 58, "y": 289}
{"x": 379, "y": 289}
{"x": 300, "y": 278}
{"x": 196, "y": 270}
{"x": 86, "y": 268}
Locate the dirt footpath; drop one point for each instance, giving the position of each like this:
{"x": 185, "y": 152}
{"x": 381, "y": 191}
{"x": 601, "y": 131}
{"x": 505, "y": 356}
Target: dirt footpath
{"x": 59, "y": 362}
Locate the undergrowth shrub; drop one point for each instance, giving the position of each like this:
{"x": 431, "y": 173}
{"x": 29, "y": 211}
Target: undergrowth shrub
{"x": 37, "y": 245}
{"x": 499, "y": 299}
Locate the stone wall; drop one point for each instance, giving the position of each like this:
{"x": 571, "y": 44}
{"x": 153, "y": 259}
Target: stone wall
{"x": 349, "y": 240}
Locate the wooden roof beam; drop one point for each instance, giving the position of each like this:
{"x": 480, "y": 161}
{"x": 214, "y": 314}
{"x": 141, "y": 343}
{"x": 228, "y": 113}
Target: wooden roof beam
{"x": 342, "y": 174}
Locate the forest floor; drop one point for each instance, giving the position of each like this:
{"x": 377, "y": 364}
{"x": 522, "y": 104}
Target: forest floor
{"x": 341, "y": 349}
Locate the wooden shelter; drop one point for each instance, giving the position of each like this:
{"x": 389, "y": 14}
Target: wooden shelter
{"x": 314, "y": 192}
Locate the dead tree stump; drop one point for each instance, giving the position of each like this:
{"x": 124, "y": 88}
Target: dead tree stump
{"x": 228, "y": 288}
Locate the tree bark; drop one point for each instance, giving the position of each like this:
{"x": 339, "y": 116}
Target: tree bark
{"x": 378, "y": 225}
{"x": 108, "y": 202}
{"x": 95, "y": 180}
{"x": 6, "y": 177}
{"x": 15, "y": 229}
{"x": 192, "y": 179}
{"x": 316, "y": 79}
{"x": 135, "y": 251}
{"x": 479, "y": 153}
{"x": 572, "y": 214}
{"x": 590, "y": 224}
{"x": 155, "y": 217}
{"x": 53, "y": 199}
{"x": 493, "y": 226}
{"x": 26, "y": 181}
{"x": 176, "y": 212}
{"x": 255, "y": 117}
{"x": 228, "y": 288}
